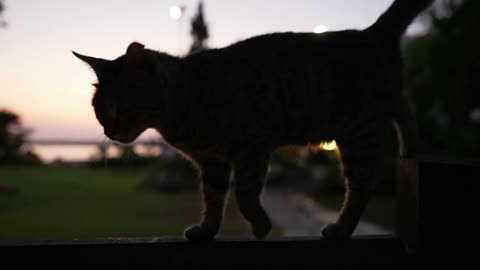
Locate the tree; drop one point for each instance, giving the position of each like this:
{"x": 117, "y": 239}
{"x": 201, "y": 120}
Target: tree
{"x": 2, "y": 8}
{"x": 199, "y": 31}
{"x": 442, "y": 79}
{"x": 12, "y": 137}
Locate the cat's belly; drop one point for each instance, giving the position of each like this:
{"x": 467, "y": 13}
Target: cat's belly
{"x": 303, "y": 136}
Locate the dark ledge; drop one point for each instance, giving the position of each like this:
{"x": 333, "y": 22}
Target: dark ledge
{"x": 383, "y": 251}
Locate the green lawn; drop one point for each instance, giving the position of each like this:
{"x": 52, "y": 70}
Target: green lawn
{"x": 79, "y": 203}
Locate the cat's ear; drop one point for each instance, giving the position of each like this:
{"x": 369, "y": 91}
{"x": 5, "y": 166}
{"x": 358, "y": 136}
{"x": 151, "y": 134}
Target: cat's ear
{"x": 138, "y": 58}
{"x": 135, "y": 48}
{"x": 135, "y": 54}
{"x": 97, "y": 64}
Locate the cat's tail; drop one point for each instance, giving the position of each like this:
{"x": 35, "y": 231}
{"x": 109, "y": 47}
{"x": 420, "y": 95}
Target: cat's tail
{"x": 394, "y": 22}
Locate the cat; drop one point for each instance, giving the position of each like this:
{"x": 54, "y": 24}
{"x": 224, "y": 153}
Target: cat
{"x": 228, "y": 109}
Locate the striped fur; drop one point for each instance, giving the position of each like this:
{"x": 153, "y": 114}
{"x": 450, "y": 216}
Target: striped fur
{"x": 228, "y": 109}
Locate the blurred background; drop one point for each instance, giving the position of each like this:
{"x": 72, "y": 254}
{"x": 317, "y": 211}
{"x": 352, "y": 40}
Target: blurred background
{"x": 60, "y": 178}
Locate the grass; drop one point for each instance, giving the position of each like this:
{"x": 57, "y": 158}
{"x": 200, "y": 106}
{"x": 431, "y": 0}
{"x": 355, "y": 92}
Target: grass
{"x": 57, "y": 203}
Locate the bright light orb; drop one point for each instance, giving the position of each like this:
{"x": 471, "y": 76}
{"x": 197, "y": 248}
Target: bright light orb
{"x": 176, "y": 12}
{"x": 329, "y": 146}
{"x": 320, "y": 29}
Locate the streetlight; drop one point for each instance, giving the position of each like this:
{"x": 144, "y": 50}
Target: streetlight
{"x": 176, "y": 13}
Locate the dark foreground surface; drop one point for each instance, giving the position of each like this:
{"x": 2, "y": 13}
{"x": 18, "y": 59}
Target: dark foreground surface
{"x": 385, "y": 252}
{"x": 437, "y": 225}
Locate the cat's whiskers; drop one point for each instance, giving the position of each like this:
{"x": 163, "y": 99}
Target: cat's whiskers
{"x": 127, "y": 153}
{"x": 106, "y": 144}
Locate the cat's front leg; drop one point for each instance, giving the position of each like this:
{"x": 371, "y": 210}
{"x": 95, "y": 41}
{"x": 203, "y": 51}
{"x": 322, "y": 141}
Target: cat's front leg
{"x": 250, "y": 172}
{"x": 215, "y": 177}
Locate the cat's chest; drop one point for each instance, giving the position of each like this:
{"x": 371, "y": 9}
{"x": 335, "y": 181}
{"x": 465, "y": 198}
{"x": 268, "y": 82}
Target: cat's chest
{"x": 197, "y": 147}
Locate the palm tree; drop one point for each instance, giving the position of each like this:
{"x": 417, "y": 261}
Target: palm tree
{"x": 199, "y": 31}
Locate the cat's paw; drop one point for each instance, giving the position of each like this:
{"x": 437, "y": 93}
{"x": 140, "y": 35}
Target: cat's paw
{"x": 261, "y": 230}
{"x": 197, "y": 233}
{"x": 337, "y": 231}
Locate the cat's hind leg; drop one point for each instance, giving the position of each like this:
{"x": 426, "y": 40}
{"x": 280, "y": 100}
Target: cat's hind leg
{"x": 215, "y": 176}
{"x": 250, "y": 172}
{"x": 360, "y": 164}
{"x": 406, "y": 126}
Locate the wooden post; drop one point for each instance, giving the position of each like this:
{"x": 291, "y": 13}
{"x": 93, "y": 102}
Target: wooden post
{"x": 407, "y": 204}
{"x": 438, "y": 208}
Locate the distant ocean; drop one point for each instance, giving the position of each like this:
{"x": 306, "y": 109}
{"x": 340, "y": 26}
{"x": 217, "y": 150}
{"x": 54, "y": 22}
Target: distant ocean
{"x": 74, "y": 153}
{"x": 50, "y": 153}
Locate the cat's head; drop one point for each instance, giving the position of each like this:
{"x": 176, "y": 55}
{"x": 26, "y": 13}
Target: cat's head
{"x": 128, "y": 93}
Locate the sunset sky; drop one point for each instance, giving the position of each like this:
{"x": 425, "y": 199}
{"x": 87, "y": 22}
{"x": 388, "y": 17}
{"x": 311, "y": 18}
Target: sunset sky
{"x": 51, "y": 89}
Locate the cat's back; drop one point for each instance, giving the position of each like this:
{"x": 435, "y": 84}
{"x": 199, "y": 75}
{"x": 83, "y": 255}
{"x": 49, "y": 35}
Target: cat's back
{"x": 277, "y": 52}
{"x": 328, "y": 44}
{"x": 349, "y": 54}
{"x": 339, "y": 60}
{"x": 282, "y": 80}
